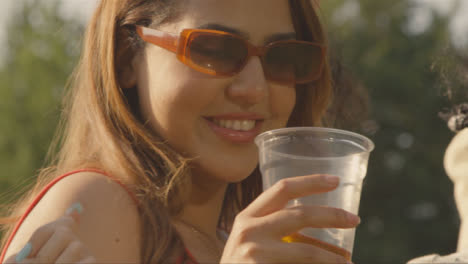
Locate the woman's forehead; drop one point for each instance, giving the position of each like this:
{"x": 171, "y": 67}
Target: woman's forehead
{"x": 254, "y": 18}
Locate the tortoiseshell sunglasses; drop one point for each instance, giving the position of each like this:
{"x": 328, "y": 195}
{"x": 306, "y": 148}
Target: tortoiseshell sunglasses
{"x": 224, "y": 54}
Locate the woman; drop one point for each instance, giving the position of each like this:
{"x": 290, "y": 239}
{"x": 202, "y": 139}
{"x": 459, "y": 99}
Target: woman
{"x": 176, "y": 131}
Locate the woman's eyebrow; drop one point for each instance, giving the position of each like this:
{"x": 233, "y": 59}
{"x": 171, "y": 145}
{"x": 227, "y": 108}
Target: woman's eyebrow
{"x": 280, "y": 36}
{"x": 268, "y": 39}
{"x": 220, "y": 27}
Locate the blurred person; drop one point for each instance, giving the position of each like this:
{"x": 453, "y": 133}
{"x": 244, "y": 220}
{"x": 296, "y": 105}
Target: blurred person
{"x": 453, "y": 68}
{"x": 157, "y": 162}
{"x": 456, "y": 166}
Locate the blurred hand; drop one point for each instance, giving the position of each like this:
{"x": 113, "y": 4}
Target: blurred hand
{"x": 56, "y": 242}
{"x": 258, "y": 230}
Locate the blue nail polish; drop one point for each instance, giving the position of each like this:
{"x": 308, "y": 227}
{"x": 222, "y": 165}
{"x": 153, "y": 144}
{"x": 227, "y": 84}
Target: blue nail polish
{"x": 77, "y": 207}
{"x": 24, "y": 253}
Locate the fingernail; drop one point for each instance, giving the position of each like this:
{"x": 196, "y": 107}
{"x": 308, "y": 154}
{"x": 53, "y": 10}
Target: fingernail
{"x": 24, "y": 253}
{"x": 332, "y": 180}
{"x": 75, "y": 208}
{"x": 354, "y": 219}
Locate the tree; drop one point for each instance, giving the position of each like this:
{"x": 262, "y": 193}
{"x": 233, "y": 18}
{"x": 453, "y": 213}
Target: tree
{"x": 407, "y": 203}
{"x": 43, "y": 48}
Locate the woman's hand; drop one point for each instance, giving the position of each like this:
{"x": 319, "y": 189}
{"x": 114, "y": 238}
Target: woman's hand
{"x": 257, "y": 233}
{"x": 56, "y": 242}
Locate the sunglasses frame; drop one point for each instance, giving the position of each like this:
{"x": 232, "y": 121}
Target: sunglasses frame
{"x": 180, "y": 43}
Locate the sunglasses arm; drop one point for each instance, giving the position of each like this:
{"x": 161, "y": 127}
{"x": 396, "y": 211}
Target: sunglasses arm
{"x": 159, "y": 38}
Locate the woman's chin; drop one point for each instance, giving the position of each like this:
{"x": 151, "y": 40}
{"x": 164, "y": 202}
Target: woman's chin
{"x": 225, "y": 174}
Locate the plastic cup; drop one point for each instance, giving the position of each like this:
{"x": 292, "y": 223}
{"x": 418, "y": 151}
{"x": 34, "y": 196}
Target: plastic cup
{"x": 291, "y": 152}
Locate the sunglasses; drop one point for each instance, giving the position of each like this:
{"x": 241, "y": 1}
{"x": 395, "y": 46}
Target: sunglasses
{"x": 223, "y": 54}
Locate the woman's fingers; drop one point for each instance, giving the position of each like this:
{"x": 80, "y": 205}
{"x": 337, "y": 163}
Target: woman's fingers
{"x": 88, "y": 260}
{"x": 48, "y": 241}
{"x": 276, "y": 197}
{"x": 37, "y": 240}
{"x": 74, "y": 253}
{"x": 259, "y": 232}
{"x": 305, "y": 253}
{"x": 75, "y": 211}
{"x": 292, "y": 219}
{"x": 57, "y": 243}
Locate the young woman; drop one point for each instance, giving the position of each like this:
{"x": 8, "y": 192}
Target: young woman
{"x": 157, "y": 162}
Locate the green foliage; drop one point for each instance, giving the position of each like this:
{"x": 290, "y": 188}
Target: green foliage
{"x": 407, "y": 206}
{"x": 41, "y": 53}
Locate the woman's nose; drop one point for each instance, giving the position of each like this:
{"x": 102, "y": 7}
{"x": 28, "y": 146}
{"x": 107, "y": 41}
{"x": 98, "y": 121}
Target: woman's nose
{"x": 249, "y": 86}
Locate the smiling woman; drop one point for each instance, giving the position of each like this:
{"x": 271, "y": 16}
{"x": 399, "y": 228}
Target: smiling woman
{"x": 157, "y": 162}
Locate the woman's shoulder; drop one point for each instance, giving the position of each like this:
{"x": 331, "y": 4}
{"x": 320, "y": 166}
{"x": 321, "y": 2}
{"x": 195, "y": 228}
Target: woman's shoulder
{"x": 109, "y": 222}
{"x": 101, "y": 196}
{"x": 94, "y": 188}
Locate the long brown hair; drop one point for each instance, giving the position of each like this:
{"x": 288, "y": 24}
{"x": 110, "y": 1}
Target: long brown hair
{"x": 102, "y": 128}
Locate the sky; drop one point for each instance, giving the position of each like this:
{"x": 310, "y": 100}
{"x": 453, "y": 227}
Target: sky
{"x": 80, "y": 9}
{"x": 421, "y": 15}
{"x": 459, "y": 22}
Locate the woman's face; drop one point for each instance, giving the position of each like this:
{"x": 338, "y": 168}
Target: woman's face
{"x": 212, "y": 119}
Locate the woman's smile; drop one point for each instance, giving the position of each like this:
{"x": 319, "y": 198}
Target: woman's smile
{"x": 236, "y": 127}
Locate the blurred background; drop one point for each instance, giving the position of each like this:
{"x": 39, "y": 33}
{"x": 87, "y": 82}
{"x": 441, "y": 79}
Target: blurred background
{"x": 409, "y": 55}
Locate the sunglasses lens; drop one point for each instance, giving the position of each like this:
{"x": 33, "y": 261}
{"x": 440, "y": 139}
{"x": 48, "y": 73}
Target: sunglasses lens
{"x": 222, "y": 54}
{"x": 293, "y": 62}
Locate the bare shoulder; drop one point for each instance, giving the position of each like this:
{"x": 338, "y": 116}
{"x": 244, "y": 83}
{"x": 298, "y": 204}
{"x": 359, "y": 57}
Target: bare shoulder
{"x": 109, "y": 224}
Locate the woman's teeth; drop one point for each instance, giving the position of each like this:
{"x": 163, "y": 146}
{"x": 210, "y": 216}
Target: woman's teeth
{"x": 239, "y": 125}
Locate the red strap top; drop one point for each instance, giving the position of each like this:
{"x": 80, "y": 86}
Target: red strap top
{"x": 186, "y": 258}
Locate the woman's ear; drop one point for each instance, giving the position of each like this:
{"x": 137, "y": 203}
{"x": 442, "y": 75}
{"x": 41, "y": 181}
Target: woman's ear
{"x": 128, "y": 76}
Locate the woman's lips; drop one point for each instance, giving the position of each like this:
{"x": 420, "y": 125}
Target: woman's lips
{"x": 236, "y": 129}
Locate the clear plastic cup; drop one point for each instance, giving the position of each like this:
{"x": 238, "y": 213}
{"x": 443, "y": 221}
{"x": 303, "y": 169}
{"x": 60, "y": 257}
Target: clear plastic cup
{"x": 291, "y": 152}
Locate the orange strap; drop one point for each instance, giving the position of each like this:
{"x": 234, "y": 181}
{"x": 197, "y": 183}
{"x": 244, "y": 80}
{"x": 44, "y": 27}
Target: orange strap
{"x": 45, "y": 190}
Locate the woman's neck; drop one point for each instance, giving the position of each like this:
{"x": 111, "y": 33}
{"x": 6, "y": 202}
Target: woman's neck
{"x": 198, "y": 222}
{"x": 205, "y": 204}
